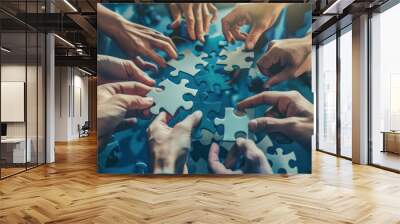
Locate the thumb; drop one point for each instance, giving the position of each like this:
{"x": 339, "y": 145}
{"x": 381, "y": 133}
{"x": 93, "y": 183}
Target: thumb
{"x": 255, "y": 33}
{"x": 214, "y": 162}
{"x": 271, "y": 124}
{"x": 305, "y": 66}
{"x": 191, "y": 121}
{"x": 277, "y": 78}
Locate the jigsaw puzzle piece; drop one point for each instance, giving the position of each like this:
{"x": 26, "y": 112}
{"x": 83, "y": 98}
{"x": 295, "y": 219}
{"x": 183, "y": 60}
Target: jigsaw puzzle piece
{"x": 171, "y": 97}
{"x": 211, "y": 44}
{"x": 239, "y": 58}
{"x": 234, "y": 123}
{"x": 207, "y": 107}
{"x": 214, "y": 82}
{"x": 188, "y": 63}
{"x": 281, "y": 162}
{"x": 265, "y": 143}
{"x": 207, "y": 137}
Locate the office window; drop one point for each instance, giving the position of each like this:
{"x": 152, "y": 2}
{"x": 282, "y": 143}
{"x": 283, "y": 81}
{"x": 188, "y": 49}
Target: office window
{"x": 385, "y": 89}
{"x": 327, "y": 96}
{"x": 346, "y": 93}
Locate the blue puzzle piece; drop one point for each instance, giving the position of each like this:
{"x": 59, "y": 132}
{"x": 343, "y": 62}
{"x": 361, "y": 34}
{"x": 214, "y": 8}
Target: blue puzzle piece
{"x": 214, "y": 82}
{"x": 207, "y": 107}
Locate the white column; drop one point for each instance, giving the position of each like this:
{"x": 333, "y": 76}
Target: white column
{"x": 50, "y": 99}
{"x": 360, "y": 90}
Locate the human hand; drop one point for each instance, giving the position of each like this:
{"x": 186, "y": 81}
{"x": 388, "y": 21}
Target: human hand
{"x": 297, "y": 121}
{"x": 169, "y": 147}
{"x": 259, "y": 16}
{"x": 134, "y": 39}
{"x": 119, "y": 102}
{"x": 293, "y": 55}
{"x": 112, "y": 68}
{"x": 198, "y": 17}
{"x": 254, "y": 159}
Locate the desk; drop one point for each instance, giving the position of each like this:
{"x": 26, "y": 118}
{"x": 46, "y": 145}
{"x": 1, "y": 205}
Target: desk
{"x": 13, "y": 150}
{"x": 391, "y": 141}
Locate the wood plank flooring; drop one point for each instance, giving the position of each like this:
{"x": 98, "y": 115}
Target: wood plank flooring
{"x": 70, "y": 191}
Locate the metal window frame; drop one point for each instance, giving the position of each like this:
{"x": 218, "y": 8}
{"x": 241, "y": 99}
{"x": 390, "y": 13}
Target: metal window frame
{"x": 339, "y": 32}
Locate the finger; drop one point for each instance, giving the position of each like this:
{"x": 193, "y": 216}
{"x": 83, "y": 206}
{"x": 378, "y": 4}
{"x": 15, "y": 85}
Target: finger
{"x": 226, "y": 29}
{"x": 271, "y": 112}
{"x": 168, "y": 40}
{"x": 145, "y": 65}
{"x": 245, "y": 145}
{"x": 237, "y": 34}
{"x": 129, "y": 88}
{"x": 207, "y": 17}
{"x": 125, "y": 124}
{"x": 271, "y": 124}
{"x": 162, "y": 118}
{"x": 232, "y": 157}
{"x": 270, "y": 58}
{"x": 133, "y": 102}
{"x": 154, "y": 56}
{"x": 176, "y": 15}
{"x": 198, "y": 12}
{"x": 278, "y": 78}
{"x": 165, "y": 46}
{"x": 304, "y": 67}
{"x": 191, "y": 121}
{"x": 213, "y": 10}
{"x": 255, "y": 33}
{"x": 214, "y": 162}
{"x": 266, "y": 97}
{"x": 138, "y": 74}
{"x": 190, "y": 21}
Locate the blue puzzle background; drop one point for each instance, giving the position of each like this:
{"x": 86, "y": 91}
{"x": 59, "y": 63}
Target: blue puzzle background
{"x": 127, "y": 152}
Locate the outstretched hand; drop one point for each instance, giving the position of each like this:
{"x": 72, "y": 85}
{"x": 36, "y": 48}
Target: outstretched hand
{"x": 169, "y": 146}
{"x": 254, "y": 159}
{"x": 198, "y": 16}
{"x": 293, "y": 55}
{"x": 260, "y": 17}
{"x": 119, "y": 102}
{"x": 298, "y": 115}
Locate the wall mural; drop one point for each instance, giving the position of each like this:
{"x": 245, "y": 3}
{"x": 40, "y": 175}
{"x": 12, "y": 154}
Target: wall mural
{"x": 203, "y": 88}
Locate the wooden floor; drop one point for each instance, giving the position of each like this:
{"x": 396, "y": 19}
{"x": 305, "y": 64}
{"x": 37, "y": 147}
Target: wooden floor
{"x": 70, "y": 191}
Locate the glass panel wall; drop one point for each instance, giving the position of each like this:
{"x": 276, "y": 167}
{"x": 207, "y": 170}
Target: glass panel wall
{"x": 327, "y": 95}
{"x": 385, "y": 89}
{"x": 13, "y": 87}
{"x": 346, "y": 93}
{"x": 22, "y": 89}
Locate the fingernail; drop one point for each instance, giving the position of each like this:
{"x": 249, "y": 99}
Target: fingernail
{"x": 239, "y": 140}
{"x": 149, "y": 99}
{"x": 198, "y": 113}
{"x": 250, "y": 46}
{"x": 253, "y": 125}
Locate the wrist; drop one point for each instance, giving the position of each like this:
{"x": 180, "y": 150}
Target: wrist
{"x": 114, "y": 24}
{"x": 164, "y": 166}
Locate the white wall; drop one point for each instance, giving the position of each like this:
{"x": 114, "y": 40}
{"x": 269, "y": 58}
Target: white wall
{"x": 71, "y": 93}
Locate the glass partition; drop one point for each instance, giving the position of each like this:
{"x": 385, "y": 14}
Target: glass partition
{"x": 385, "y": 89}
{"x": 13, "y": 105}
{"x": 346, "y": 93}
{"x": 327, "y": 96}
{"x": 22, "y": 88}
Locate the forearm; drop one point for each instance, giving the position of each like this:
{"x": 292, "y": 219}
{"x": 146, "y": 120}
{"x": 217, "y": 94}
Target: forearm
{"x": 110, "y": 21}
